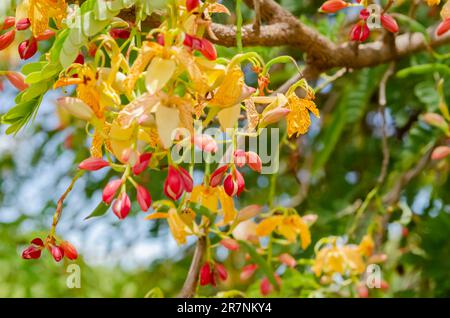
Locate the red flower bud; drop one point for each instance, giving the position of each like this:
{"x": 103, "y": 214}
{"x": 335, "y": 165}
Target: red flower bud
{"x": 266, "y": 286}
{"x": 222, "y": 271}
{"x": 122, "y": 206}
{"x": 23, "y": 24}
{"x": 79, "y": 59}
{"x": 217, "y": 176}
{"x": 443, "y": 27}
{"x": 6, "y": 39}
{"x": 144, "y": 198}
{"x": 364, "y": 14}
{"x": 230, "y": 244}
{"x": 69, "y": 250}
{"x": 93, "y": 164}
{"x": 46, "y": 35}
{"x": 17, "y": 80}
{"x": 333, "y": 6}
{"x": 57, "y": 253}
{"x": 28, "y": 48}
{"x": 206, "y": 275}
{"x": 109, "y": 192}
{"x": 188, "y": 183}
{"x": 360, "y": 32}
{"x": 31, "y": 252}
{"x": 160, "y": 39}
{"x": 120, "y": 33}
{"x": 38, "y": 242}
{"x": 234, "y": 183}
{"x": 8, "y": 22}
{"x": 142, "y": 163}
{"x": 192, "y": 4}
{"x": 174, "y": 185}
{"x": 389, "y": 23}
{"x": 253, "y": 161}
{"x": 208, "y": 50}
{"x": 248, "y": 271}
{"x": 363, "y": 291}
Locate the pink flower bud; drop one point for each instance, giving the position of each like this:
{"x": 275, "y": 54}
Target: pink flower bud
{"x": 253, "y": 161}
{"x": 122, "y": 206}
{"x": 93, "y": 164}
{"x": 6, "y": 39}
{"x": 364, "y": 14}
{"x": 248, "y": 212}
{"x": 142, "y": 163}
{"x": 274, "y": 115}
{"x": 360, "y": 32}
{"x": 230, "y": 244}
{"x": 434, "y": 119}
{"x": 69, "y": 250}
{"x": 266, "y": 287}
{"x": 188, "y": 183}
{"x": 7, "y": 23}
{"x": 17, "y": 80}
{"x": 333, "y": 6}
{"x": 440, "y": 152}
{"x": 173, "y": 186}
{"x": 443, "y": 27}
{"x": 363, "y": 291}
{"x": 109, "y": 192}
{"x": 206, "y": 143}
{"x": 389, "y": 23}
{"x": 240, "y": 158}
{"x": 222, "y": 271}
{"x": 144, "y": 198}
{"x": 248, "y": 271}
{"x": 57, "y": 253}
{"x": 28, "y": 48}
{"x": 288, "y": 260}
{"x": 192, "y": 4}
{"x": 23, "y": 24}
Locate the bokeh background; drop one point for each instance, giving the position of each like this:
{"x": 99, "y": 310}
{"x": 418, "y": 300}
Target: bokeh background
{"x": 333, "y": 167}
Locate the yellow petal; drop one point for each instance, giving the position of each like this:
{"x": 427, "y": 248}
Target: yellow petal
{"x": 366, "y": 246}
{"x": 230, "y": 90}
{"x": 177, "y": 226}
{"x": 228, "y": 210}
{"x": 156, "y": 215}
{"x": 167, "y": 121}
{"x": 267, "y": 226}
{"x": 228, "y": 117}
{"x": 159, "y": 72}
{"x": 206, "y": 196}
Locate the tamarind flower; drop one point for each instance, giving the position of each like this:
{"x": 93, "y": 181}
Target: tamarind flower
{"x": 177, "y": 225}
{"x": 39, "y": 12}
{"x": 210, "y": 197}
{"x": 298, "y": 119}
{"x": 336, "y": 257}
{"x": 289, "y": 226}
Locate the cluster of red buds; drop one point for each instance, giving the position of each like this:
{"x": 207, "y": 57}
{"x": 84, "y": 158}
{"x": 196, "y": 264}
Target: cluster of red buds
{"x": 360, "y": 31}
{"x": 122, "y": 204}
{"x": 234, "y": 182}
{"x": 209, "y": 272}
{"x": 64, "y": 249}
{"x": 177, "y": 182}
{"x": 27, "y": 48}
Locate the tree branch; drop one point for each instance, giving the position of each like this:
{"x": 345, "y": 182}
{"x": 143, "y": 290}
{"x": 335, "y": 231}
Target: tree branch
{"x": 190, "y": 284}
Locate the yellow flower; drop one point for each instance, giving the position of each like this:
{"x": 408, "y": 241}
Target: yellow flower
{"x": 288, "y": 226}
{"x": 298, "y": 120}
{"x": 41, "y": 11}
{"x": 177, "y": 226}
{"x": 336, "y": 257}
{"x": 210, "y": 197}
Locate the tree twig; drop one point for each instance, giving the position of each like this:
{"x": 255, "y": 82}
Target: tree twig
{"x": 190, "y": 284}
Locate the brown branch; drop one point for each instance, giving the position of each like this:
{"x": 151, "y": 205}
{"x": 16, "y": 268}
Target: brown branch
{"x": 190, "y": 284}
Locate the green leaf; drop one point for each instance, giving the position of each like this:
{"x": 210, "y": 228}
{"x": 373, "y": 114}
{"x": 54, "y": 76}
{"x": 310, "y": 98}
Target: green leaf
{"x": 424, "y": 69}
{"x": 100, "y": 210}
{"x": 155, "y": 293}
{"x": 262, "y": 264}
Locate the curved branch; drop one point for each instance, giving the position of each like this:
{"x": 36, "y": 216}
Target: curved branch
{"x": 190, "y": 284}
